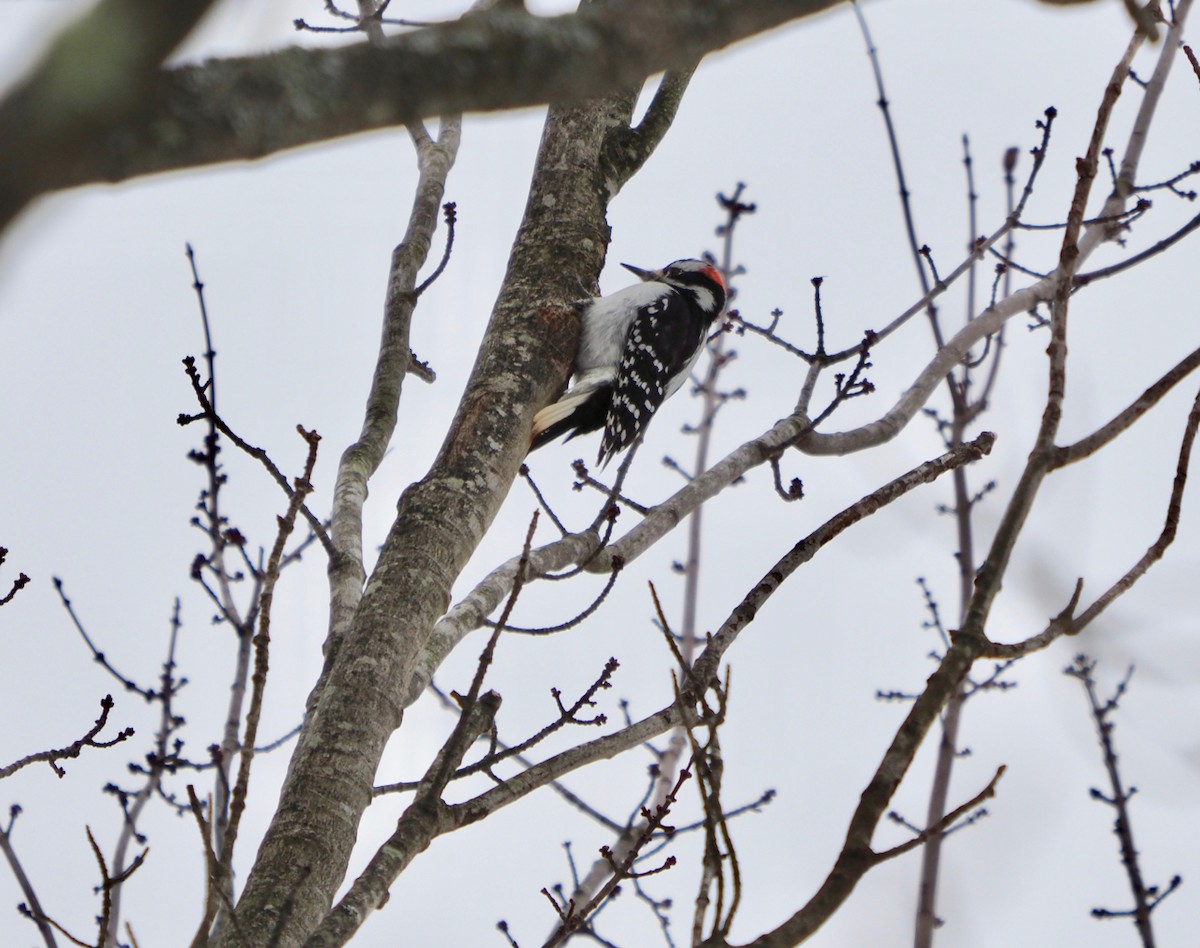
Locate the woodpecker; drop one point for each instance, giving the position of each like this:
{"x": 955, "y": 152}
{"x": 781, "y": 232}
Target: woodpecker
{"x": 636, "y": 348}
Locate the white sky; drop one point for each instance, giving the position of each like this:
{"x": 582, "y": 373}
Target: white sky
{"x": 97, "y": 311}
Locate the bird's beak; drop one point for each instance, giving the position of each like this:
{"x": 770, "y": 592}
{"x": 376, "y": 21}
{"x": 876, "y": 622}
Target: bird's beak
{"x": 642, "y": 274}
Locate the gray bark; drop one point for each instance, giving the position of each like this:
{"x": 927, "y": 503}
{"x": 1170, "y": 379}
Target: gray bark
{"x": 154, "y": 120}
{"x": 358, "y": 702}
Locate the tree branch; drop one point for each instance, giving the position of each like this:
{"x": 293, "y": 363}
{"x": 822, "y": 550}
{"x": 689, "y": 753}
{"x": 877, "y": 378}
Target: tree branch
{"x": 73, "y": 750}
{"x": 242, "y": 108}
{"x": 707, "y": 664}
{"x": 32, "y": 903}
{"x": 627, "y": 149}
{"x": 358, "y": 701}
{"x": 361, "y": 459}
{"x": 1068, "y": 622}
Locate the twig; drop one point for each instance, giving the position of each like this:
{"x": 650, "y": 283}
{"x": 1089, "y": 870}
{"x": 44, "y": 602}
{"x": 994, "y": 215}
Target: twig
{"x": 221, "y": 536}
{"x": 584, "y": 479}
{"x": 988, "y": 579}
{"x": 718, "y": 843}
{"x": 32, "y": 905}
{"x": 73, "y": 750}
{"x": 99, "y": 656}
{"x": 208, "y": 413}
{"x": 1085, "y": 447}
{"x": 709, "y": 661}
{"x": 499, "y": 746}
{"x": 160, "y": 761}
{"x": 362, "y": 22}
{"x": 565, "y": 716}
{"x": 1068, "y": 622}
{"x": 587, "y": 612}
{"x": 574, "y": 918}
{"x": 942, "y": 826}
{"x": 449, "y": 213}
{"x": 303, "y": 486}
{"x": 1083, "y": 279}
{"x": 523, "y": 473}
{"x": 18, "y": 584}
{"x": 212, "y": 885}
{"x": 468, "y": 614}
{"x": 898, "y": 165}
{"x": 1145, "y": 898}
{"x": 739, "y": 324}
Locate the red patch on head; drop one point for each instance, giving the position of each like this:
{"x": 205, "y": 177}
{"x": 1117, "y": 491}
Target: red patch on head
{"x": 715, "y": 275}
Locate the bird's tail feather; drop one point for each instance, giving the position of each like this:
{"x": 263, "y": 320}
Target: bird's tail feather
{"x": 581, "y": 410}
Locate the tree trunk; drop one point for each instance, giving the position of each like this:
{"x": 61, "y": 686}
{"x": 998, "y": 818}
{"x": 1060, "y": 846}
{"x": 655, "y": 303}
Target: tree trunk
{"x": 358, "y": 701}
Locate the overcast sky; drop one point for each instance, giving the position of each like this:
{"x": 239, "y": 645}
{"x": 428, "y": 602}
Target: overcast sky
{"x": 97, "y": 311}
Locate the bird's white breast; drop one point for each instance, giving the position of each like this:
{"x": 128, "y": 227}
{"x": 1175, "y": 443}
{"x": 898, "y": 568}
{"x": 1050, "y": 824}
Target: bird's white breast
{"x": 606, "y": 323}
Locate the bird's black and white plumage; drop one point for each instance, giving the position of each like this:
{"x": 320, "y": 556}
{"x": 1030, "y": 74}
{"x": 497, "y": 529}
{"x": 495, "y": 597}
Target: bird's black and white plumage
{"x": 636, "y": 348}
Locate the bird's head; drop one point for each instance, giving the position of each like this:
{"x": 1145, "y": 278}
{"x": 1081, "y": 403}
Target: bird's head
{"x": 698, "y": 278}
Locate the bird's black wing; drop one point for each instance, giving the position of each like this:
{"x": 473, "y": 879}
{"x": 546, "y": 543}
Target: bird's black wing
{"x": 659, "y": 346}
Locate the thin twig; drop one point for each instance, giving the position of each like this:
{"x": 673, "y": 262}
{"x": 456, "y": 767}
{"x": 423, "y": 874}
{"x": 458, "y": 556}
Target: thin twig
{"x": 942, "y": 826}
{"x": 574, "y": 918}
{"x": 449, "y": 212}
{"x": 74, "y": 749}
{"x": 32, "y": 904}
{"x": 898, "y": 167}
{"x": 303, "y": 486}
{"x": 18, "y": 584}
{"x": 209, "y": 413}
{"x": 1068, "y": 622}
{"x": 159, "y": 762}
{"x": 1145, "y": 899}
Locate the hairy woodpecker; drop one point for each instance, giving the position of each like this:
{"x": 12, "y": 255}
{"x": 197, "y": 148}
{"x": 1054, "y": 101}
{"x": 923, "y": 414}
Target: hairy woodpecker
{"x": 636, "y": 348}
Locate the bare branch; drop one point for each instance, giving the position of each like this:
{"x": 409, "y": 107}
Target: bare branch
{"x": 707, "y": 664}
{"x": 1068, "y": 622}
{"x": 627, "y": 149}
{"x": 425, "y": 817}
{"x": 73, "y": 750}
{"x": 943, "y": 826}
{"x": 159, "y": 761}
{"x": 18, "y": 584}
{"x": 242, "y": 108}
{"x": 303, "y": 487}
{"x": 574, "y": 918}
{"x": 361, "y": 459}
{"x": 213, "y": 885}
{"x": 1084, "y": 447}
{"x": 1145, "y": 899}
{"x": 1084, "y": 279}
{"x": 209, "y": 413}
{"x": 991, "y": 572}
{"x": 32, "y": 905}
{"x": 469, "y": 614}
